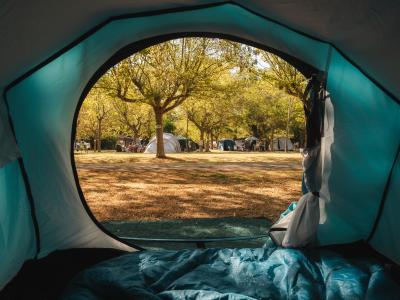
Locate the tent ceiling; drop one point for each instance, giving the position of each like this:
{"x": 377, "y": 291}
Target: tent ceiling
{"x": 366, "y": 31}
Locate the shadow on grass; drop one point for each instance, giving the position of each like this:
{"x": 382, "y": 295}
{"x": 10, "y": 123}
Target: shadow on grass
{"x": 185, "y": 188}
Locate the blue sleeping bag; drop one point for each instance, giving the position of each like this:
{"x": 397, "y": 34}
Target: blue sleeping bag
{"x": 260, "y": 273}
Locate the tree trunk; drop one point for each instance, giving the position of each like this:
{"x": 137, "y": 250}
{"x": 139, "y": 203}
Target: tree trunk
{"x": 187, "y": 132}
{"x": 99, "y": 133}
{"x": 305, "y": 132}
{"x": 201, "y": 146}
{"x": 288, "y": 123}
{"x": 212, "y": 141}
{"x": 135, "y": 140}
{"x": 94, "y": 142}
{"x": 159, "y": 134}
{"x": 207, "y": 146}
{"x": 272, "y": 141}
{"x": 135, "y": 137}
{"x": 306, "y": 116}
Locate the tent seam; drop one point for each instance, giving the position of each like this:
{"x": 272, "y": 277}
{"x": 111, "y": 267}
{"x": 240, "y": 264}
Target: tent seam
{"x": 27, "y": 184}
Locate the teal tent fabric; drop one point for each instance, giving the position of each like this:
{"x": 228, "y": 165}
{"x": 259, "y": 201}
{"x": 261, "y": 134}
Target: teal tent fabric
{"x": 359, "y": 152}
{"x": 43, "y": 106}
{"x": 366, "y": 31}
{"x": 359, "y": 145}
{"x": 263, "y": 273}
{"x": 17, "y": 235}
{"x": 385, "y": 239}
{"x": 8, "y": 146}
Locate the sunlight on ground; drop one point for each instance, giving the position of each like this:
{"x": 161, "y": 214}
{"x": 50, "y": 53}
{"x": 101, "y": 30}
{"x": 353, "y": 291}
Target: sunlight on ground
{"x": 136, "y": 186}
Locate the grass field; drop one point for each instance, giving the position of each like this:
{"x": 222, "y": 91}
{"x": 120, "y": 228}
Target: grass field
{"x": 135, "y": 186}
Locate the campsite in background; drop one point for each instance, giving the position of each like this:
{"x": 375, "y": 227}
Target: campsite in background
{"x": 194, "y": 134}
{"x": 207, "y": 90}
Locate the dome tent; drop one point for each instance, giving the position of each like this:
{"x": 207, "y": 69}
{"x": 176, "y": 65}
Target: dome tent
{"x": 47, "y": 71}
{"x": 226, "y": 145}
{"x": 187, "y": 144}
{"x": 279, "y": 144}
{"x": 171, "y": 144}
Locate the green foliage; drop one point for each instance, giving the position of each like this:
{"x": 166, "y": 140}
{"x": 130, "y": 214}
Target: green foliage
{"x": 205, "y": 88}
{"x": 133, "y": 119}
{"x": 169, "y": 126}
{"x": 285, "y": 77}
{"x": 165, "y": 75}
{"x": 109, "y": 143}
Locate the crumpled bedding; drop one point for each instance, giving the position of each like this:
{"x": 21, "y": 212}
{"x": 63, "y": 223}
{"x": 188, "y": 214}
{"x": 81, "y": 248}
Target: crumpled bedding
{"x": 232, "y": 274}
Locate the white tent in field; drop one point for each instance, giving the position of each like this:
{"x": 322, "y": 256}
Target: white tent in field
{"x": 278, "y": 144}
{"x": 171, "y": 144}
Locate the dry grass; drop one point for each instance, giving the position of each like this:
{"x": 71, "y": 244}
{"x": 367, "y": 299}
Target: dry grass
{"x": 136, "y": 186}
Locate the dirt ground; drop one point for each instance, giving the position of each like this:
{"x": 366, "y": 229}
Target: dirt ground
{"x": 136, "y": 186}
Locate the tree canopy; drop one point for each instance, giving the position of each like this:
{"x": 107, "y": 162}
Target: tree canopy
{"x": 205, "y": 88}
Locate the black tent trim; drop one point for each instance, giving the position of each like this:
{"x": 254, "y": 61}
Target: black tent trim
{"x": 32, "y": 206}
{"x": 27, "y": 185}
{"x": 183, "y": 9}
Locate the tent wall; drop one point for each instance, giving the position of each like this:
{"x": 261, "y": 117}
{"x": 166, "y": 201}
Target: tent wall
{"x": 17, "y": 234}
{"x": 43, "y": 105}
{"x": 8, "y": 146}
{"x": 362, "y": 139}
{"x": 367, "y": 31}
{"x": 386, "y": 238}
{"x": 358, "y": 148}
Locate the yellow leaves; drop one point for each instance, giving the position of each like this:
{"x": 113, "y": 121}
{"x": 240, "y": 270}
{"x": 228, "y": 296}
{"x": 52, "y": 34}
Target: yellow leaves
{"x": 223, "y": 86}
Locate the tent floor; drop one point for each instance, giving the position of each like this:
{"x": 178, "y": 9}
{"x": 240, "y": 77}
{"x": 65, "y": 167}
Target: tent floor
{"x": 46, "y": 278}
{"x": 196, "y": 228}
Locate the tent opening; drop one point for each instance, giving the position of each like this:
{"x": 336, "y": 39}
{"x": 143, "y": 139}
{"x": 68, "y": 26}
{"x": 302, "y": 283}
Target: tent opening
{"x": 193, "y": 142}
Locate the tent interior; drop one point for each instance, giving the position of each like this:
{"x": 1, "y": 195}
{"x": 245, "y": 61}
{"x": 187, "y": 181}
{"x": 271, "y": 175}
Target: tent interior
{"x": 53, "y": 53}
